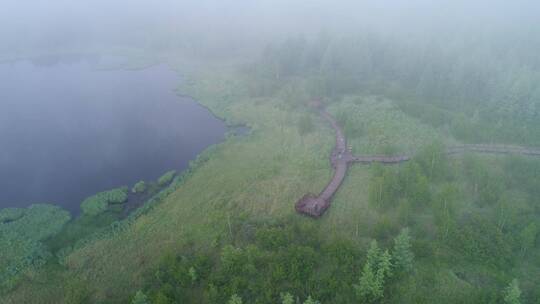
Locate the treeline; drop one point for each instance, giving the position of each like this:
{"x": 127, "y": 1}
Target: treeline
{"x": 467, "y": 82}
{"x": 475, "y": 216}
{"x": 283, "y": 262}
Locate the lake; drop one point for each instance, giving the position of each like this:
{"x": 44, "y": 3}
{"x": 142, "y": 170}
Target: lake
{"x": 69, "y": 129}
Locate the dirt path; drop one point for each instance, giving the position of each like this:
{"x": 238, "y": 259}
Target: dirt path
{"x": 341, "y": 158}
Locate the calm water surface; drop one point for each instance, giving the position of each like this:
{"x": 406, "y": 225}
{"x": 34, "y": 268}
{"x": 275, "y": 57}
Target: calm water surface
{"x": 69, "y": 130}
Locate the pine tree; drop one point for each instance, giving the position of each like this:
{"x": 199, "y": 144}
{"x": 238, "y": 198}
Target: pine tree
{"x": 140, "y": 298}
{"x": 512, "y": 293}
{"x": 377, "y": 269}
{"x": 287, "y": 298}
{"x": 384, "y": 270}
{"x": 373, "y": 254}
{"x": 309, "y": 300}
{"x": 235, "y": 299}
{"x": 162, "y": 298}
{"x": 527, "y": 236}
{"x": 402, "y": 253}
{"x": 369, "y": 288}
{"x": 193, "y": 274}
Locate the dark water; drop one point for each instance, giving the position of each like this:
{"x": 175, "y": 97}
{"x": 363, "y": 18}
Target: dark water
{"x": 69, "y": 130}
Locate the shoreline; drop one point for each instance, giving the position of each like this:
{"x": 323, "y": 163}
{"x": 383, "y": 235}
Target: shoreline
{"x": 139, "y": 200}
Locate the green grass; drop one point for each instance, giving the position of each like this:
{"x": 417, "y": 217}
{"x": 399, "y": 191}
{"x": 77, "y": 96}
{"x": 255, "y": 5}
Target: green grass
{"x": 377, "y": 126}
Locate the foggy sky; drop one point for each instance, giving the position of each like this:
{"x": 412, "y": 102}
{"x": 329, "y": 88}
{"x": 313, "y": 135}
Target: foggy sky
{"x": 28, "y": 24}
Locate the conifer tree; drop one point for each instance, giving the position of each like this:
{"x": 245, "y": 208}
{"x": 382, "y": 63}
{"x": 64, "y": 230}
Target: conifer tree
{"x": 140, "y": 298}
{"x": 369, "y": 289}
{"x": 235, "y": 299}
{"x": 402, "y": 253}
{"x": 373, "y": 254}
{"x": 512, "y": 293}
{"x": 384, "y": 270}
{"x": 310, "y": 300}
{"x": 287, "y": 298}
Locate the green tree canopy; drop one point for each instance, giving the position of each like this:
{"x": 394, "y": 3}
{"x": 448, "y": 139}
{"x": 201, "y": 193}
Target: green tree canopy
{"x": 512, "y": 293}
{"x": 402, "y": 253}
{"x": 287, "y": 298}
{"x": 140, "y": 298}
{"x": 369, "y": 288}
{"x": 527, "y": 236}
{"x": 385, "y": 267}
{"x": 373, "y": 254}
{"x": 310, "y": 300}
{"x": 235, "y": 299}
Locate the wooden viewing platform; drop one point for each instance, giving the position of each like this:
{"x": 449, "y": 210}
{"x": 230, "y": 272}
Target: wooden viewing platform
{"x": 341, "y": 158}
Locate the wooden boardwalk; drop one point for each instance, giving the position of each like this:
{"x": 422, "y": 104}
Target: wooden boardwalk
{"x": 476, "y": 148}
{"x": 341, "y": 158}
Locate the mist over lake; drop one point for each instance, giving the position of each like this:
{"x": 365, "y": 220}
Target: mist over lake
{"x": 69, "y": 129}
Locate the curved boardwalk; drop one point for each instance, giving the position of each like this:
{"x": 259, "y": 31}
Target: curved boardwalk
{"x": 341, "y": 158}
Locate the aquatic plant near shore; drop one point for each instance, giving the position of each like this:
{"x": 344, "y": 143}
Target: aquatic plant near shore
{"x": 10, "y": 214}
{"x": 22, "y": 232}
{"x": 100, "y": 202}
{"x": 139, "y": 187}
{"x": 122, "y": 225}
{"x": 166, "y": 178}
